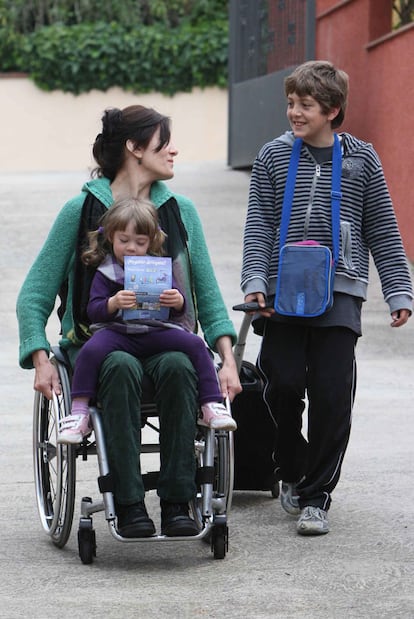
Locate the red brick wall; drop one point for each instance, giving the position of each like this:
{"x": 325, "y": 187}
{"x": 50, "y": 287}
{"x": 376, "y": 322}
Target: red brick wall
{"x": 356, "y": 36}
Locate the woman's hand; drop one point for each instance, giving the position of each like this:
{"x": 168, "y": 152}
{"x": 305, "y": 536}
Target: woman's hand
{"x": 172, "y": 298}
{"x": 228, "y": 376}
{"x": 229, "y": 380}
{"x": 46, "y": 376}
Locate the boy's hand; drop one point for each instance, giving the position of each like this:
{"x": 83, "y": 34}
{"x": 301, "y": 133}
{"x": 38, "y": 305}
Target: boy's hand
{"x": 400, "y": 317}
{"x": 260, "y": 299}
{"x": 172, "y": 298}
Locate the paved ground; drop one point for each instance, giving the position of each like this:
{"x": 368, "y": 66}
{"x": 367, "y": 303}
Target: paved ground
{"x": 362, "y": 570}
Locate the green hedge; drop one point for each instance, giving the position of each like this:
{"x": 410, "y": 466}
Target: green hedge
{"x": 99, "y": 55}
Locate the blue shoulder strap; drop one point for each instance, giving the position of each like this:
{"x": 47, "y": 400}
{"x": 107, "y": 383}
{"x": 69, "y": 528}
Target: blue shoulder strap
{"x": 335, "y": 193}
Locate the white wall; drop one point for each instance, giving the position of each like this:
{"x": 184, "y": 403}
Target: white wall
{"x": 42, "y": 131}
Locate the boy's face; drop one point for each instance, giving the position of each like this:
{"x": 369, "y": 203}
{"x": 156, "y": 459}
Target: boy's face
{"x": 308, "y": 121}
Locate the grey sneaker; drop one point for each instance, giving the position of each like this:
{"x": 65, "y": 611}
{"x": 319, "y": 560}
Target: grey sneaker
{"x": 312, "y": 521}
{"x": 289, "y": 498}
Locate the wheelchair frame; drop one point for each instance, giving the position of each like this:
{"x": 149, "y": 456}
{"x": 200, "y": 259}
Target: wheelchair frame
{"x": 55, "y": 476}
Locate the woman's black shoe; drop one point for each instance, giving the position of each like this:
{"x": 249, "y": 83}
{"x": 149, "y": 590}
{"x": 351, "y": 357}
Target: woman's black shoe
{"x": 175, "y": 520}
{"x": 133, "y": 520}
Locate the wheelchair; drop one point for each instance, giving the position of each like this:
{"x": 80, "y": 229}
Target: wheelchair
{"x": 55, "y": 475}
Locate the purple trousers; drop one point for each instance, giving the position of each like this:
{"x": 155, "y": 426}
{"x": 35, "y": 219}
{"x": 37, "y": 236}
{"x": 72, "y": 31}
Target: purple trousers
{"x": 103, "y": 342}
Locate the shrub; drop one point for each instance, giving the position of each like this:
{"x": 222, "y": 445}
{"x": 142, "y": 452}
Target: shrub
{"x": 141, "y": 59}
{"x": 11, "y": 42}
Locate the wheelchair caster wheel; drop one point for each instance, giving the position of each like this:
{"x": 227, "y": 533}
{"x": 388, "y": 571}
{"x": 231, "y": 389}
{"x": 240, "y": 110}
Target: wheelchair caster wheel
{"x": 220, "y": 539}
{"x": 86, "y": 541}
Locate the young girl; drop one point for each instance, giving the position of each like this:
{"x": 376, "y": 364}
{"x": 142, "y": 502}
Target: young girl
{"x": 130, "y": 228}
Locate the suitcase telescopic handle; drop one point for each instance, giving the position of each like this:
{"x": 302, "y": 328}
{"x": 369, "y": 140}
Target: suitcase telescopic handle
{"x": 240, "y": 344}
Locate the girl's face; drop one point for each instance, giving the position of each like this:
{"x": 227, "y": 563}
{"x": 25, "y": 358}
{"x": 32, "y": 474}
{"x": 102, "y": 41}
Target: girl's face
{"x": 128, "y": 243}
{"x": 158, "y": 166}
{"x": 309, "y": 122}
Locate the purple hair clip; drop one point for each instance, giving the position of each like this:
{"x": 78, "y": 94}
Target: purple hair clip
{"x": 100, "y": 230}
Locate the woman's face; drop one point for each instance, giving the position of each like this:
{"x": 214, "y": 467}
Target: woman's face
{"x": 159, "y": 165}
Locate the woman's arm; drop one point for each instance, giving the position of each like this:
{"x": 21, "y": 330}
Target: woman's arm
{"x": 37, "y": 296}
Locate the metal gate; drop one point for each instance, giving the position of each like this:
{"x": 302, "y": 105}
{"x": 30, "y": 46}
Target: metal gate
{"x": 268, "y": 38}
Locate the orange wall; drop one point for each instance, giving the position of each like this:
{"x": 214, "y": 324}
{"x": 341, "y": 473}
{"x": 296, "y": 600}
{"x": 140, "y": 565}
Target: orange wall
{"x": 356, "y": 36}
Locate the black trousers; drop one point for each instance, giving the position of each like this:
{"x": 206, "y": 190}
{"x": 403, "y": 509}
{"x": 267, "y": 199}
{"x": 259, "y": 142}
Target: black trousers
{"x": 317, "y": 363}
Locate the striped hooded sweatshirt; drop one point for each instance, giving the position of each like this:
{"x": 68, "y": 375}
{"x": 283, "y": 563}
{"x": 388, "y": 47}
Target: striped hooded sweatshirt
{"x": 368, "y": 222}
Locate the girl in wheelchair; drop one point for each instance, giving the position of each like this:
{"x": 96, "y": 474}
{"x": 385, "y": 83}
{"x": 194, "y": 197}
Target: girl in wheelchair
{"x": 131, "y": 228}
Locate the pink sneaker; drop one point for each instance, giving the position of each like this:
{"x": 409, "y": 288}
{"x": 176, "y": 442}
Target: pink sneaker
{"x": 216, "y": 416}
{"x": 73, "y": 429}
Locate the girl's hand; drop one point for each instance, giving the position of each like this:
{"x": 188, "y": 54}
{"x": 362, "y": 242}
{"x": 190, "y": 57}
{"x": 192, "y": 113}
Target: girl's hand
{"x": 172, "y": 298}
{"x": 124, "y": 299}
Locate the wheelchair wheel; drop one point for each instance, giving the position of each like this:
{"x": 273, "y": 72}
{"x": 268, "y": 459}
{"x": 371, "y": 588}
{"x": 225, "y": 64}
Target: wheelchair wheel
{"x": 223, "y": 476}
{"x": 54, "y": 464}
{"x": 224, "y": 467}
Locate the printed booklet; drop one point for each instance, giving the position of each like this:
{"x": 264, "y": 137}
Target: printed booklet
{"x": 147, "y": 276}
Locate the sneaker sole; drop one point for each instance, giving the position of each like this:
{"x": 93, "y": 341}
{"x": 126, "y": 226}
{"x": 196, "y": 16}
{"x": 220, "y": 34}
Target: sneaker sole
{"x": 76, "y": 439}
{"x": 217, "y": 426}
{"x": 312, "y": 531}
{"x": 70, "y": 440}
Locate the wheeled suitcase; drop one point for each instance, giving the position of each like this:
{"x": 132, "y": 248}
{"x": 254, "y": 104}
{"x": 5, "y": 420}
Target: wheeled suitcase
{"x": 255, "y": 460}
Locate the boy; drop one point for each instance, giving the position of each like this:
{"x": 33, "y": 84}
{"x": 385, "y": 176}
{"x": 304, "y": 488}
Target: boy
{"x": 316, "y": 356}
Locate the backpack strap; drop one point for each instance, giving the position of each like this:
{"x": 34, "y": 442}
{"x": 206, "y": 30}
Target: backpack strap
{"x": 335, "y": 193}
{"x": 336, "y": 196}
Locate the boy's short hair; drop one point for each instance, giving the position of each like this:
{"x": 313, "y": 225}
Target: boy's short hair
{"x": 322, "y": 81}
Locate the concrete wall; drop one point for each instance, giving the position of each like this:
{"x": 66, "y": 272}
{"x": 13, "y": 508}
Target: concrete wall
{"x": 43, "y": 131}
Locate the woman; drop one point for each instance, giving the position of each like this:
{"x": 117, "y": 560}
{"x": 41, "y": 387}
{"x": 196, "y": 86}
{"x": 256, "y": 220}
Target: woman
{"x": 134, "y": 154}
